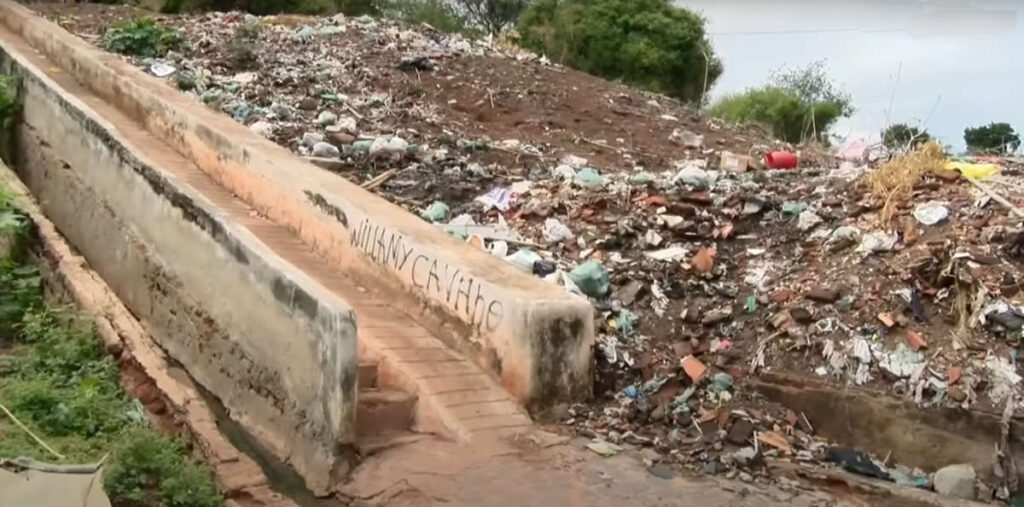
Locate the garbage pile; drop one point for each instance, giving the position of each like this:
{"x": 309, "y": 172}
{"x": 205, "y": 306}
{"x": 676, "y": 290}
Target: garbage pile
{"x": 705, "y": 265}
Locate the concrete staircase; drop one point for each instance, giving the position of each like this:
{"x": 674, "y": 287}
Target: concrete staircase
{"x": 384, "y": 417}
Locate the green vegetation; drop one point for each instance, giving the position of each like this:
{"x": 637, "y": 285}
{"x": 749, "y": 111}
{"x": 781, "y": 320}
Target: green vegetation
{"x": 437, "y": 13}
{"x": 242, "y": 51}
{"x": 796, "y": 105}
{"x": 143, "y": 460}
{"x": 141, "y": 37}
{"x": 57, "y": 380}
{"x": 492, "y": 16}
{"x": 900, "y": 136}
{"x": 648, "y": 43}
{"x": 265, "y": 7}
{"x": 994, "y": 138}
{"x": 10, "y": 88}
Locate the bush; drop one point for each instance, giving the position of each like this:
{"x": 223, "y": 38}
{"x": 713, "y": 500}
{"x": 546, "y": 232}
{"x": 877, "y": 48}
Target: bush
{"x": 141, "y": 37}
{"x": 900, "y": 136}
{"x": 145, "y": 462}
{"x": 796, "y": 105}
{"x": 648, "y": 43}
{"x": 436, "y": 13}
{"x": 493, "y": 16}
{"x": 994, "y": 138}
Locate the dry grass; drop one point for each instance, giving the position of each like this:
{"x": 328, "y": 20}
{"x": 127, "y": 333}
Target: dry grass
{"x": 893, "y": 182}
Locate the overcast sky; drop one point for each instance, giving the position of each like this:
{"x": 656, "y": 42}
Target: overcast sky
{"x": 959, "y": 63}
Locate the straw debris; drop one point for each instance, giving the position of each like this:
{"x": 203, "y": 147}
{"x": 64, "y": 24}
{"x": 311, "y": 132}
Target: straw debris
{"x": 894, "y": 180}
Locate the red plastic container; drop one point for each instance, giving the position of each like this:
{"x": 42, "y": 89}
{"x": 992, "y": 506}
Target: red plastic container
{"x": 780, "y": 160}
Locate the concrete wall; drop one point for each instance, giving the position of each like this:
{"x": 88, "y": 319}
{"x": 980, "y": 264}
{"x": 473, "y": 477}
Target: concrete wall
{"x": 276, "y": 347}
{"x": 536, "y": 337}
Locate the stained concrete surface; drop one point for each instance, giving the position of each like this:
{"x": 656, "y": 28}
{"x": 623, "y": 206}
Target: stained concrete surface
{"x": 563, "y": 473}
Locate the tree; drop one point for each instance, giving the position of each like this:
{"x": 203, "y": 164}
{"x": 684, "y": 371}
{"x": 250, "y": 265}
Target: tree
{"x": 648, "y": 43}
{"x": 902, "y": 136}
{"x": 994, "y": 138}
{"x": 797, "y": 104}
{"x": 493, "y": 16}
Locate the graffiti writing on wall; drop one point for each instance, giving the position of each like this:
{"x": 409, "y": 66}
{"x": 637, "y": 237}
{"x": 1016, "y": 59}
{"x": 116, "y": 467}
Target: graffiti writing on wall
{"x": 460, "y": 291}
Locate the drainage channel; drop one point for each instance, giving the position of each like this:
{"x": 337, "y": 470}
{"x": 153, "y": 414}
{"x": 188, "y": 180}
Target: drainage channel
{"x": 282, "y": 478}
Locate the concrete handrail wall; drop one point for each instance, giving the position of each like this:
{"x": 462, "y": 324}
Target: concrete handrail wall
{"x": 536, "y": 337}
{"x": 273, "y": 343}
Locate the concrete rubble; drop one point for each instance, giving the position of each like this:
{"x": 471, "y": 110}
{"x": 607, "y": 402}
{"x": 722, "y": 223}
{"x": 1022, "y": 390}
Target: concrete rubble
{"x": 705, "y": 268}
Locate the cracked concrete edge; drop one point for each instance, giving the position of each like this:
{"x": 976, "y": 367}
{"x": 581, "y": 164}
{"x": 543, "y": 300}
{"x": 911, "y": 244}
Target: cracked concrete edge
{"x": 239, "y": 478}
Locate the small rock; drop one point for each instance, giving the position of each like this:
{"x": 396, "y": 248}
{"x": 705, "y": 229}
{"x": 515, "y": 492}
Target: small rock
{"x": 740, "y": 432}
{"x": 672, "y": 221}
{"x": 341, "y": 139}
{"x": 651, "y": 454}
{"x": 716, "y": 316}
{"x": 823, "y": 295}
{"x": 347, "y": 124}
{"x": 661, "y": 471}
{"x": 263, "y": 128}
{"x": 308, "y": 104}
{"x": 326, "y": 118}
{"x": 780, "y": 296}
{"x": 801, "y": 315}
{"x": 628, "y": 293}
{"x": 956, "y": 481}
{"x": 388, "y": 145}
{"x": 309, "y": 139}
{"x": 957, "y": 394}
{"x": 281, "y": 111}
{"x": 686, "y": 138}
{"x": 745, "y": 477}
{"x": 325, "y": 150}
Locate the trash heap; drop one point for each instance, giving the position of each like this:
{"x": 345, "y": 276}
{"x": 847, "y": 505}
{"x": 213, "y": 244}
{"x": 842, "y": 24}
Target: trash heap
{"x": 704, "y": 266}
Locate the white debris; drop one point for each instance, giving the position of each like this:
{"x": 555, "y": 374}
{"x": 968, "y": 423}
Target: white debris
{"x": 878, "y": 241}
{"x": 845, "y": 233}
{"x": 652, "y": 238}
{"x": 668, "y": 254}
{"x": 161, "y": 69}
{"x": 326, "y": 118}
{"x": 659, "y": 301}
{"x": 564, "y": 172}
{"x": 388, "y": 145}
{"x": 325, "y": 150}
{"x": 1003, "y": 378}
{"x": 696, "y": 177}
{"x": 931, "y": 212}
{"x": 555, "y": 231}
{"x": 263, "y": 128}
{"x": 808, "y": 220}
{"x": 497, "y": 198}
{"x": 901, "y": 362}
{"x": 311, "y": 138}
{"x": 573, "y": 161}
{"x": 686, "y": 138}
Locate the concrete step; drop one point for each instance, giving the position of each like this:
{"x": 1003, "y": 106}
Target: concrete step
{"x": 369, "y": 445}
{"x": 367, "y": 374}
{"x": 384, "y": 411}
